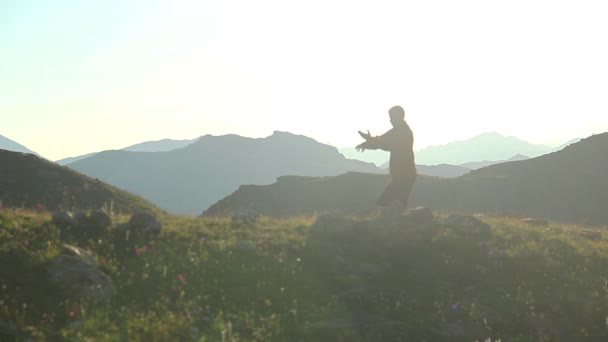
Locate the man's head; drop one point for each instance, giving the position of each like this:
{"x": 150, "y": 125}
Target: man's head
{"x": 397, "y": 114}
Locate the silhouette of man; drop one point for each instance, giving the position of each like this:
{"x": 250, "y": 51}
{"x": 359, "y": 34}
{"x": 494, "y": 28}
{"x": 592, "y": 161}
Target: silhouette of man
{"x": 399, "y": 142}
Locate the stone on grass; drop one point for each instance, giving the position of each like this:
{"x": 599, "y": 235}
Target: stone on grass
{"x": 74, "y": 272}
{"x": 145, "y": 222}
{"x": 63, "y": 218}
{"x": 419, "y": 215}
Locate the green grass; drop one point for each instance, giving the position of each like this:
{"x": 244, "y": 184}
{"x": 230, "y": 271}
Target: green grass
{"x": 208, "y": 279}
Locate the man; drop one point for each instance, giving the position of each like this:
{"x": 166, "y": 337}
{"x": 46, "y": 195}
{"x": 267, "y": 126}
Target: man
{"x": 399, "y": 142}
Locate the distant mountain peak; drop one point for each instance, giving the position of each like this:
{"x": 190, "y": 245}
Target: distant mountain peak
{"x": 11, "y": 145}
{"x": 486, "y": 146}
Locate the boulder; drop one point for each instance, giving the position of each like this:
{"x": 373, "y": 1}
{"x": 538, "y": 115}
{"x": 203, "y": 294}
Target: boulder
{"x": 63, "y": 218}
{"x": 97, "y": 223}
{"x": 145, "y": 222}
{"x": 419, "y": 215}
{"x": 73, "y": 271}
{"x": 467, "y": 224}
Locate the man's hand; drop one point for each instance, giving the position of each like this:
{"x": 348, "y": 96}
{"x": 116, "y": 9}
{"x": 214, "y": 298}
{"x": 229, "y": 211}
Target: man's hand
{"x": 361, "y": 147}
{"x": 365, "y": 136}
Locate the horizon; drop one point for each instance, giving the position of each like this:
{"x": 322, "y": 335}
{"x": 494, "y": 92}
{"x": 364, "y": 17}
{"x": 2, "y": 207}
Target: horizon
{"x": 339, "y": 148}
{"x": 74, "y": 83}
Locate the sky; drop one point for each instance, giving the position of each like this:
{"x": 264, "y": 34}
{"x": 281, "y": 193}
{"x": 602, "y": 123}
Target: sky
{"x": 85, "y": 76}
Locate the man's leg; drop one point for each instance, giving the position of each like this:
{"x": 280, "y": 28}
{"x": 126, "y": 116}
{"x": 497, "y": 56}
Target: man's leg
{"x": 389, "y": 201}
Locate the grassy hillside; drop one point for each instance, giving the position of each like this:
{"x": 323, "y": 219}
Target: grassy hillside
{"x": 27, "y": 181}
{"x": 293, "y": 279}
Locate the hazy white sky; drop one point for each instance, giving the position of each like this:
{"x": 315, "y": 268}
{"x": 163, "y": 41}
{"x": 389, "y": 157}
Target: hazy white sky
{"x": 82, "y": 76}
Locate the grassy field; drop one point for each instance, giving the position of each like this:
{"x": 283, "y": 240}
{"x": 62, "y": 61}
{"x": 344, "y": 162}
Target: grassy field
{"x": 209, "y": 279}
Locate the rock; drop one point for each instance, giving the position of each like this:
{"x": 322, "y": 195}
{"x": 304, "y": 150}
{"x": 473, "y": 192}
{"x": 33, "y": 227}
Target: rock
{"x": 97, "y": 223}
{"x": 146, "y": 223}
{"x": 74, "y": 272}
{"x": 100, "y": 219}
{"x": 536, "y": 222}
{"x": 591, "y": 235}
{"x": 63, "y": 218}
{"x": 85, "y": 256}
{"x": 419, "y": 215}
{"x": 468, "y": 224}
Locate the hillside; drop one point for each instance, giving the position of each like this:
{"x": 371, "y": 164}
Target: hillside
{"x": 442, "y": 278}
{"x": 484, "y": 163}
{"x": 27, "y": 181}
{"x": 290, "y": 195}
{"x": 439, "y": 170}
{"x": 10, "y": 145}
{"x": 189, "y": 179}
{"x": 567, "y": 185}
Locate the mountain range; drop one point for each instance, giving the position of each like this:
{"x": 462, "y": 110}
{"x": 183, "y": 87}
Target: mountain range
{"x": 10, "y": 145}
{"x": 148, "y": 146}
{"x": 489, "y": 146}
{"x": 189, "y": 179}
{"x": 568, "y": 185}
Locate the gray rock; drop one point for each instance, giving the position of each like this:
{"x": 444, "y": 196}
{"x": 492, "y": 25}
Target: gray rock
{"x": 146, "y": 223}
{"x": 419, "y": 215}
{"x": 100, "y": 219}
{"x": 97, "y": 223}
{"x": 73, "y": 271}
{"x": 84, "y": 255}
{"x": 468, "y": 224}
{"x": 63, "y": 218}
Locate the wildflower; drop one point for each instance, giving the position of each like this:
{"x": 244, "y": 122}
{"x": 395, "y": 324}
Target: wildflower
{"x": 182, "y": 278}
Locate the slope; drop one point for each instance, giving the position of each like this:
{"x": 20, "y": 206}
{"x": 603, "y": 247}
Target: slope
{"x": 31, "y": 182}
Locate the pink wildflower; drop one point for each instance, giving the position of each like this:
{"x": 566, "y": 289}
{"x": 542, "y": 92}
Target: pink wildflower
{"x": 182, "y": 278}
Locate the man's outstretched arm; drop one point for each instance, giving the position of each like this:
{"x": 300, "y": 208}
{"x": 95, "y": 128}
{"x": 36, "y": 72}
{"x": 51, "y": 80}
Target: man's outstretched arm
{"x": 382, "y": 142}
